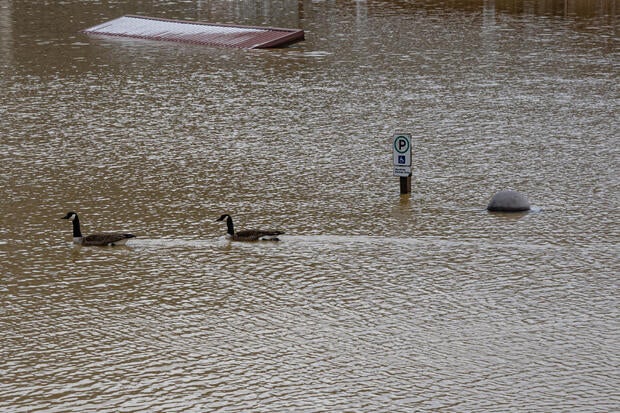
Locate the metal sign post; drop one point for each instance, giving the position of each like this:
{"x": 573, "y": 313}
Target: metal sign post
{"x": 402, "y": 160}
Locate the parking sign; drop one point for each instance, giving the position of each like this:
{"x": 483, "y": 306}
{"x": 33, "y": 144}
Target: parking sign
{"x": 402, "y": 149}
{"x": 402, "y": 154}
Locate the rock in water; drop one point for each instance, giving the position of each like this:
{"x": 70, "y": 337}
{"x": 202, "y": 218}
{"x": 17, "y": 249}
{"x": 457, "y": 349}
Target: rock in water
{"x": 509, "y": 201}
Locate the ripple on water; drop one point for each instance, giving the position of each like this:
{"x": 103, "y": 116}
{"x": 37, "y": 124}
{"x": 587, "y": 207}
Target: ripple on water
{"x": 294, "y": 321}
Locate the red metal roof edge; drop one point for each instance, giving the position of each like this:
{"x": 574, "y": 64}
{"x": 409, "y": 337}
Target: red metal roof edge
{"x": 165, "y": 39}
{"x": 279, "y": 42}
{"x": 282, "y": 41}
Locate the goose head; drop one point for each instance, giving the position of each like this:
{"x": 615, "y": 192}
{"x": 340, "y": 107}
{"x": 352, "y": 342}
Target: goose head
{"x": 71, "y": 216}
{"x": 229, "y": 224}
{"x": 223, "y": 217}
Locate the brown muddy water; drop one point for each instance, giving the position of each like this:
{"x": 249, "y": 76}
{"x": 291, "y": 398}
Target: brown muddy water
{"x": 372, "y": 301}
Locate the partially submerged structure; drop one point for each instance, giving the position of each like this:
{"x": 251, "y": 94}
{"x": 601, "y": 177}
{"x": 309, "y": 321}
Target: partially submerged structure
{"x": 152, "y": 28}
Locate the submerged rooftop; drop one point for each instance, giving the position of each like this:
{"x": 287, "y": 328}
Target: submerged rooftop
{"x": 152, "y": 28}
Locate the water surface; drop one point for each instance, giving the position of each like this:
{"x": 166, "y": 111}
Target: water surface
{"x": 372, "y": 301}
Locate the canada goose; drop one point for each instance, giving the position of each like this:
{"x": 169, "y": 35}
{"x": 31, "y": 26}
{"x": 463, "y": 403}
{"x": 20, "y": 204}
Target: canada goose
{"x": 107, "y": 239}
{"x": 248, "y": 235}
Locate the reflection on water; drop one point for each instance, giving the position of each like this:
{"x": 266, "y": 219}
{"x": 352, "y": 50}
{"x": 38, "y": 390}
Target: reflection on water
{"x": 372, "y": 301}
{"x": 6, "y": 28}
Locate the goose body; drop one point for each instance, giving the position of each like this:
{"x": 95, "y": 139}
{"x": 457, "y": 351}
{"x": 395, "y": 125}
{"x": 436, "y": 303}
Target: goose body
{"x": 101, "y": 239}
{"x": 249, "y": 235}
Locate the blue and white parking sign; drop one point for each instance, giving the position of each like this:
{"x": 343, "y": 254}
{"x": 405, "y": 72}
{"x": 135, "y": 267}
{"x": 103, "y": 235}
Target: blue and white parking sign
{"x": 402, "y": 149}
{"x": 402, "y": 154}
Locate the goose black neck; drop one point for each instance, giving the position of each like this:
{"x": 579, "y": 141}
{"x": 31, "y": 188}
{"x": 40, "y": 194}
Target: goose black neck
{"x": 76, "y": 228}
{"x": 229, "y": 224}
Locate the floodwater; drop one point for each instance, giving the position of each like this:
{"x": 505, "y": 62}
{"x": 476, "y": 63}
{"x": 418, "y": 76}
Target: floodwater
{"x": 372, "y": 301}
